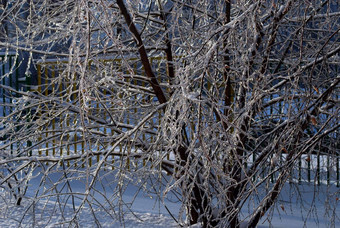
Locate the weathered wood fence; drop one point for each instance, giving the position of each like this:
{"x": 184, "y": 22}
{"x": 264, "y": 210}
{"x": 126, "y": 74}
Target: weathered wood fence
{"x": 62, "y": 130}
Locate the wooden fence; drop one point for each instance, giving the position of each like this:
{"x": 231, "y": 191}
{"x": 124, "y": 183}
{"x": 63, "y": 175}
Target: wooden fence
{"x": 63, "y": 133}
{"x": 68, "y": 90}
{"x": 9, "y": 76}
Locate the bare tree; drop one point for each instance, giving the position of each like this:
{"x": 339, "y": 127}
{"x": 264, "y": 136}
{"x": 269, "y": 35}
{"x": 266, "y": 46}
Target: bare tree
{"x": 216, "y": 102}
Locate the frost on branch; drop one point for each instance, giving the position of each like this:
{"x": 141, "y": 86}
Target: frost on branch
{"x": 215, "y": 106}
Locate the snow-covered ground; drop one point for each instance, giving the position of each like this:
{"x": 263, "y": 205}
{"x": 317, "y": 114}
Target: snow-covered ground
{"x": 150, "y": 213}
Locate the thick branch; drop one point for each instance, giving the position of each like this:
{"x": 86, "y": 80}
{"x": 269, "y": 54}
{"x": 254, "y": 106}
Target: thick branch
{"x": 142, "y": 52}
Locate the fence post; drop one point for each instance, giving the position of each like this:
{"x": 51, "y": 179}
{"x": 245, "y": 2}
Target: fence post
{"x": 308, "y": 167}
{"x": 4, "y": 83}
{"x": 337, "y": 161}
{"x": 28, "y": 88}
{"x": 10, "y": 85}
{"x": 337, "y": 172}
{"x": 300, "y": 169}
{"x": 318, "y": 165}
